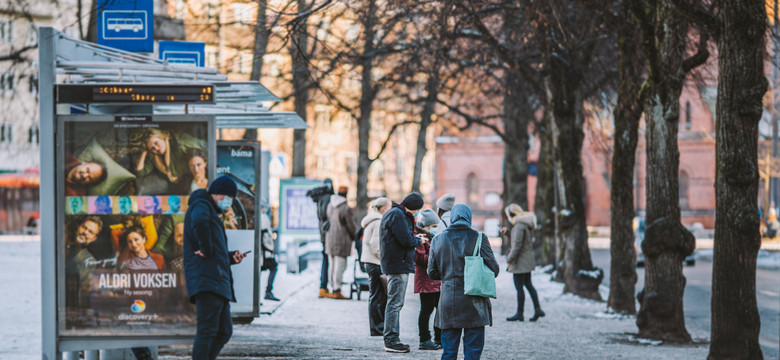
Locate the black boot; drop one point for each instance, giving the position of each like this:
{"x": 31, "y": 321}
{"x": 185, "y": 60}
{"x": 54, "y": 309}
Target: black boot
{"x": 516, "y": 317}
{"x": 537, "y": 314}
{"x": 270, "y": 296}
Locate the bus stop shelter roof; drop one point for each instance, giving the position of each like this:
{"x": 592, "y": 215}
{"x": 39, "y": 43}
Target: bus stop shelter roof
{"x": 238, "y": 104}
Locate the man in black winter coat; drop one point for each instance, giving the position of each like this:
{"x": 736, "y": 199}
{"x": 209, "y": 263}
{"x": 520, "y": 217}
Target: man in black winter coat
{"x": 396, "y": 253}
{"x": 207, "y": 266}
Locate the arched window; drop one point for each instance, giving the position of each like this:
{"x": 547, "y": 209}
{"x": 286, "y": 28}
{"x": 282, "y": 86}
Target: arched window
{"x": 684, "y": 179}
{"x": 472, "y": 186}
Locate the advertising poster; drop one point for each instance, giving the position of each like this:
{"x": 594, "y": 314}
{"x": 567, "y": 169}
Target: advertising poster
{"x": 298, "y": 230}
{"x": 240, "y": 162}
{"x": 125, "y": 188}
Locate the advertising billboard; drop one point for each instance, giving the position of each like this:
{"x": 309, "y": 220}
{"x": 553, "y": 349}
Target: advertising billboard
{"x": 124, "y": 186}
{"x": 298, "y": 230}
{"x": 241, "y": 162}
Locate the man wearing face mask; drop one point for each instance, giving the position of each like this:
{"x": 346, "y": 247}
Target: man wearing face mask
{"x": 207, "y": 266}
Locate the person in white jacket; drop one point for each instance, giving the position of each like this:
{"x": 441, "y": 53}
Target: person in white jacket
{"x": 370, "y": 258}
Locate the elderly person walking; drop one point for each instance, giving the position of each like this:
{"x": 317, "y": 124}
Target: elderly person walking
{"x": 397, "y": 261}
{"x": 520, "y": 260}
{"x": 338, "y": 241}
{"x": 459, "y": 313}
{"x": 377, "y": 298}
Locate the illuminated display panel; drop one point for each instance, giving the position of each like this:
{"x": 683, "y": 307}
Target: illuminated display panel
{"x": 134, "y": 94}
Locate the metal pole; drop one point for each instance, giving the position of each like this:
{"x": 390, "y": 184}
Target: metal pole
{"x": 46, "y": 79}
{"x": 775, "y": 150}
{"x": 71, "y": 355}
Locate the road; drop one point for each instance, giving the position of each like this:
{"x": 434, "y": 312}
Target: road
{"x": 698, "y": 292}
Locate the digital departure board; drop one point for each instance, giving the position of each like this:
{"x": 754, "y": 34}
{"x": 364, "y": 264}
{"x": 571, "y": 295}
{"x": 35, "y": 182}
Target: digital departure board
{"x": 125, "y": 93}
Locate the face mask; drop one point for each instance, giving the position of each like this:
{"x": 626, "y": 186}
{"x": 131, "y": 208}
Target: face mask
{"x": 225, "y": 203}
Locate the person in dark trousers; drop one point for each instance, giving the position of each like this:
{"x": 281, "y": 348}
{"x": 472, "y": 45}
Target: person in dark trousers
{"x": 377, "y": 299}
{"x": 268, "y": 245}
{"x": 321, "y": 196}
{"x": 520, "y": 260}
{"x": 397, "y": 262}
{"x": 207, "y": 266}
{"x": 459, "y": 313}
{"x": 428, "y": 223}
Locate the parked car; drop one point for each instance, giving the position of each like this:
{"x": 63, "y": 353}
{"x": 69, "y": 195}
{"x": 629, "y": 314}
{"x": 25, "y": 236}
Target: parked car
{"x": 639, "y": 235}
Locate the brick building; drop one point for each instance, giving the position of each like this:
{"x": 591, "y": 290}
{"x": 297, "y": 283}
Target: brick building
{"x": 470, "y": 165}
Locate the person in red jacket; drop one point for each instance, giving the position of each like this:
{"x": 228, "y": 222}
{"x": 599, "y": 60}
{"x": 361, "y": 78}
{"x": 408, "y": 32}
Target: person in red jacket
{"x": 428, "y": 224}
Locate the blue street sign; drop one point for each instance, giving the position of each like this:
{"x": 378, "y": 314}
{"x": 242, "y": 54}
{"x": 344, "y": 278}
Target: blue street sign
{"x": 182, "y": 52}
{"x": 126, "y": 24}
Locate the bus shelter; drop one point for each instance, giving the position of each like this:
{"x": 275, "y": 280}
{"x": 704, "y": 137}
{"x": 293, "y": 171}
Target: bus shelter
{"x": 125, "y": 138}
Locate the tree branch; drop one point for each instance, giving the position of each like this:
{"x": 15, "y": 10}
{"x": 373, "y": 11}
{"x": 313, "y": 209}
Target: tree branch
{"x": 389, "y": 136}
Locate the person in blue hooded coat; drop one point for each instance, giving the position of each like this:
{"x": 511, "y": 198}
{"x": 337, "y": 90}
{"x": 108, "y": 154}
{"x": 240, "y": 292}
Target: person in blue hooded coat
{"x": 459, "y": 313}
{"x": 207, "y": 266}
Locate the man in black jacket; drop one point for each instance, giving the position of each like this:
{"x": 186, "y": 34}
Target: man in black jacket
{"x": 321, "y": 196}
{"x": 397, "y": 261}
{"x": 207, "y": 266}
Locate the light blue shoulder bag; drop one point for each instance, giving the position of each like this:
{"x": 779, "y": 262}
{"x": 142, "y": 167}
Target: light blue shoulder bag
{"x": 478, "y": 279}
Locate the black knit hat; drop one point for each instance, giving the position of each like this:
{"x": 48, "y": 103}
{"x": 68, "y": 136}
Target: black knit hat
{"x": 413, "y": 201}
{"x": 223, "y": 185}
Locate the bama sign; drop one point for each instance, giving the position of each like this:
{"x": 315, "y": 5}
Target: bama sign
{"x": 126, "y": 24}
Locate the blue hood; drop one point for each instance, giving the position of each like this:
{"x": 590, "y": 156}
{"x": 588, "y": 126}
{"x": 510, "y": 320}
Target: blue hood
{"x": 461, "y": 215}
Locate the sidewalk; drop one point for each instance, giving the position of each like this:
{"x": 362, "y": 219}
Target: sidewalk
{"x": 305, "y": 327}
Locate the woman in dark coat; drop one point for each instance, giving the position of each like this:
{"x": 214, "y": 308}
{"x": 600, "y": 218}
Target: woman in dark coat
{"x": 459, "y": 313}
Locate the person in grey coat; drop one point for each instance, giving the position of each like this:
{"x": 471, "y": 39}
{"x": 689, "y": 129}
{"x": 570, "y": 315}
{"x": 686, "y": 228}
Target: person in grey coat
{"x": 520, "y": 260}
{"x": 459, "y": 313}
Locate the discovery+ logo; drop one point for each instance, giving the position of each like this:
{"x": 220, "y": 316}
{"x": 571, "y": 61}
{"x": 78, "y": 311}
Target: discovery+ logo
{"x": 138, "y": 306}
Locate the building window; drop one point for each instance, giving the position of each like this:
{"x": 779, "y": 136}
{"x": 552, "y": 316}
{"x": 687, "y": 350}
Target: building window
{"x": 6, "y": 133}
{"x": 322, "y": 117}
{"x": 7, "y": 82}
{"x": 472, "y": 187}
{"x": 492, "y": 199}
{"x": 243, "y": 13}
{"x": 6, "y": 31}
{"x": 684, "y": 183}
{"x": 180, "y": 9}
{"x": 32, "y": 135}
{"x": 33, "y": 82}
{"x": 32, "y": 35}
{"x": 687, "y": 115}
{"x": 350, "y": 164}
{"x": 324, "y": 163}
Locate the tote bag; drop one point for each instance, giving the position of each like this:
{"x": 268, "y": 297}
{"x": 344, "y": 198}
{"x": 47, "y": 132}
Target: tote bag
{"x": 478, "y": 279}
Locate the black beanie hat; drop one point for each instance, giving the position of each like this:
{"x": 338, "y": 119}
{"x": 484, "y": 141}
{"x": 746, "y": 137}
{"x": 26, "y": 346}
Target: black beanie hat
{"x": 223, "y": 185}
{"x": 413, "y": 201}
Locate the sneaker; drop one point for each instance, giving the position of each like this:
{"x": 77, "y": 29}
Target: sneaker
{"x": 429, "y": 345}
{"x": 397, "y": 348}
{"x": 270, "y": 296}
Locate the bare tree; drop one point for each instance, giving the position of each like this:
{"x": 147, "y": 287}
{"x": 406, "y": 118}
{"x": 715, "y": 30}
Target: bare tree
{"x": 299, "y": 48}
{"x": 739, "y": 27}
{"x": 665, "y": 34}
{"x": 628, "y": 111}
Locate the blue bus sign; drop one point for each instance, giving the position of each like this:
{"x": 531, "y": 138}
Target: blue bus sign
{"x": 182, "y": 52}
{"x": 126, "y": 24}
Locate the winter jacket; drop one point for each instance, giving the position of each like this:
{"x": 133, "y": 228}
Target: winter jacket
{"x": 445, "y": 218}
{"x": 422, "y": 282}
{"x": 397, "y": 241}
{"x": 341, "y": 234}
{"x": 371, "y": 240}
{"x": 203, "y": 230}
{"x": 520, "y": 259}
{"x": 446, "y": 262}
{"x": 322, "y": 215}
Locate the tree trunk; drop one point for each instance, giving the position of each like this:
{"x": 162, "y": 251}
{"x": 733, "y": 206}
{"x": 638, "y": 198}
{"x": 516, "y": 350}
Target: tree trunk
{"x": 517, "y": 112}
{"x": 666, "y": 242}
{"x": 92, "y": 25}
{"x": 543, "y": 203}
{"x": 741, "y": 86}
{"x": 298, "y": 49}
{"x": 367, "y": 96}
{"x": 432, "y": 91}
{"x": 628, "y": 110}
{"x": 261, "y": 43}
{"x": 580, "y": 276}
